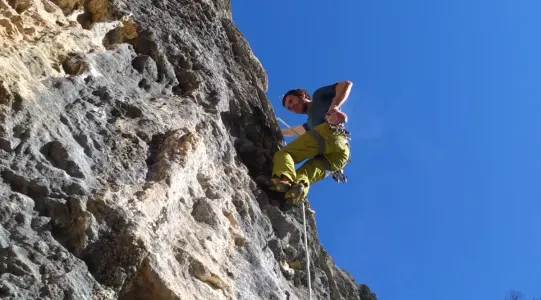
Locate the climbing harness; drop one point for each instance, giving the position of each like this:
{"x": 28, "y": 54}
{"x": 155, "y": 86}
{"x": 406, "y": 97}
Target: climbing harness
{"x": 337, "y": 175}
{"x": 338, "y": 129}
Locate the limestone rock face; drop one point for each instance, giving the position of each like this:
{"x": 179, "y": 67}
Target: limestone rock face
{"x": 130, "y": 136}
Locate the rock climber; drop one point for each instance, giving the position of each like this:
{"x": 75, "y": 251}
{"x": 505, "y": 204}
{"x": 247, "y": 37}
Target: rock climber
{"x": 322, "y": 139}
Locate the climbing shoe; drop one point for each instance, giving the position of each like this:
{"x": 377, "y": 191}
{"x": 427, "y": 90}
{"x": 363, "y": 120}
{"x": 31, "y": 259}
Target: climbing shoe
{"x": 276, "y": 184}
{"x": 280, "y": 184}
{"x": 296, "y": 193}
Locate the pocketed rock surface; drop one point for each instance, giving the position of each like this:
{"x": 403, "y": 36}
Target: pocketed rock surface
{"x": 130, "y": 136}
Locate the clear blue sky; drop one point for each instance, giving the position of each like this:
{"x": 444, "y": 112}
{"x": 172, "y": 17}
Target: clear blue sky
{"x": 444, "y": 193}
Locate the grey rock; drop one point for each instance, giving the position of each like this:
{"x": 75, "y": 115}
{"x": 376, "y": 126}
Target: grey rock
{"x": 130, "y": 141}
{"x": 145, "y": 65}
{"x": 203, "y": 211}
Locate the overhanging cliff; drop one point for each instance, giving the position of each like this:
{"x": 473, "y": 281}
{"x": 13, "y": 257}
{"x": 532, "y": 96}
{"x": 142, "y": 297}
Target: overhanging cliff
{"x": 130, "y": 136}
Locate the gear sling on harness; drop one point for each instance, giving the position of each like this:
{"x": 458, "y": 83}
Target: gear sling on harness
{"x": 337, "y": 175}
{"x": 325, "y": 149}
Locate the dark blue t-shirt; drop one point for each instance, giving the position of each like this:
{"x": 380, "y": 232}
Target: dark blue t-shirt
{"x": 321, "y": 101}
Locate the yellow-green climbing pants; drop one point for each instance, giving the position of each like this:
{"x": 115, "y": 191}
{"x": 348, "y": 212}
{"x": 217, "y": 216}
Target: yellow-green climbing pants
{"x": 334, "y": 149}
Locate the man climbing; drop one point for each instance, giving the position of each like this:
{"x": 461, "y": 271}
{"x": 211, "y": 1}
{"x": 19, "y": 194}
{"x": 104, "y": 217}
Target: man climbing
{"x": 322, "y": 140}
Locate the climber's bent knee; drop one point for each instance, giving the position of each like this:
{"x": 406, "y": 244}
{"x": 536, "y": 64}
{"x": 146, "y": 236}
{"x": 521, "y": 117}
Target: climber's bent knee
{"x": 283, "y": 165}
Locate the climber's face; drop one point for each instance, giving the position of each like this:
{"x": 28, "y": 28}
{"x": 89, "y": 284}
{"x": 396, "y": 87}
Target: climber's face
{"x": 296, "y": 104}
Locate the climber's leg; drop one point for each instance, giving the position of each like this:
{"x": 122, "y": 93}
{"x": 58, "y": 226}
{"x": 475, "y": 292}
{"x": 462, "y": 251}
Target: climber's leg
{"x": 305, "y": 146}
{"x": 313, "y": 170}
{"x": 310, "y": 172}
{"x": 335, "y": 157}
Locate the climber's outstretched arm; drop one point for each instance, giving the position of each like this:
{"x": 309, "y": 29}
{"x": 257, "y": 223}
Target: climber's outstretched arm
{"x": 293, "y": 131}
{"x": 342, "y": 91}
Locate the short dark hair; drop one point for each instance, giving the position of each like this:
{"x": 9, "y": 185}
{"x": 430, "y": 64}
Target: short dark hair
{"x": 295, "y": 92}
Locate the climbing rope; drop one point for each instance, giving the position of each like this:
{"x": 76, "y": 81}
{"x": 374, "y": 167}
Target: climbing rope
{"x": 287, "y": 125}
{"x": 307, "y": 252}
{"x": 305, "y": 234}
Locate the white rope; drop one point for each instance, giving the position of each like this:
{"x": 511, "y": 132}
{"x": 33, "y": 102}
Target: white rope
{"x": 305, "y": 234}
{"x": 287, "y": 125}
{"x": 307, "y": 253}
{"x": 282, "y": 121}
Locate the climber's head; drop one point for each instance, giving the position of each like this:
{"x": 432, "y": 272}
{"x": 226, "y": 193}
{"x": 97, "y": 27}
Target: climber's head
{"x": 297, "y": 100}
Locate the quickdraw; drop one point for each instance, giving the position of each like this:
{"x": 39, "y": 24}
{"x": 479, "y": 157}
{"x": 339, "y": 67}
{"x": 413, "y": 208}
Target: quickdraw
{"x": 341, "y": 130}
{"x": 339, "y": 176}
